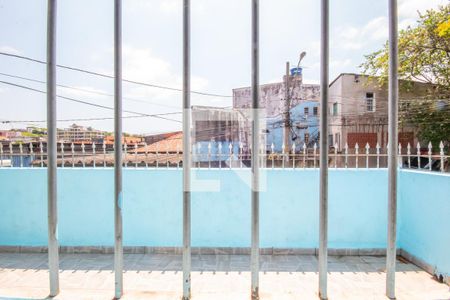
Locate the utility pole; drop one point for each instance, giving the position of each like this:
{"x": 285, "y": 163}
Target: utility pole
{"x": 287, "y": 107}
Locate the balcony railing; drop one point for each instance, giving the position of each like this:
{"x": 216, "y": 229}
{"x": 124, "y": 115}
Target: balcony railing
{"x": 222, "y": 155}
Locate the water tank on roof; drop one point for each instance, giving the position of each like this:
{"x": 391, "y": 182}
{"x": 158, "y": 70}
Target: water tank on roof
{"x": 296, "y": 71}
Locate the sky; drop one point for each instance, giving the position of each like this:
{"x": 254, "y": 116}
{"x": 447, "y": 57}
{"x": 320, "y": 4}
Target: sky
{"x": 152, "y": 52}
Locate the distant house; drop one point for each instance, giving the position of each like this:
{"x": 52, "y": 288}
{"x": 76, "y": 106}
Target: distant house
{"x": 214, "y": 131}
{"x": 358, "y": 109}
{"x": 77, "y": 133}
{"x": 303, "y": 111}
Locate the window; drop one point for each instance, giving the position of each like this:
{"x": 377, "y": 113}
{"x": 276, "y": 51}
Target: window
{"x": 306, "y": 111}
{"x": 315, "y": 111}
{"x": 370, "y": 102}
{"x": 335, "y": 109}
{"x": 306, "y": 138}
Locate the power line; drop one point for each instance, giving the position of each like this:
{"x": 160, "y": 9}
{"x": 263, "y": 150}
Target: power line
{"x": 87, "y": 90}
{"x": 112, "y": 77}
{"x": 88, "y": 103}
{"x": 85, "y": 119}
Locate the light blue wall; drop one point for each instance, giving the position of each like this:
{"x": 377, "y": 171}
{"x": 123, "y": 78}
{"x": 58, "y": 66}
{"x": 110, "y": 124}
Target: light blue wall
{"x": 152, "y": 209}
{"x": 424, "y": 207}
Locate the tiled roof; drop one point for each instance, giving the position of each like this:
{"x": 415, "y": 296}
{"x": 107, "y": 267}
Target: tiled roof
{"x": 172, "y": 144}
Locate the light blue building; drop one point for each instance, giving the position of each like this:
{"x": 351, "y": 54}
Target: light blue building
{"x": 304, "y": 127}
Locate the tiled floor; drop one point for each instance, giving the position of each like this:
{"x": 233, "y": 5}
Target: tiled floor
{"x": 227, "y": 277}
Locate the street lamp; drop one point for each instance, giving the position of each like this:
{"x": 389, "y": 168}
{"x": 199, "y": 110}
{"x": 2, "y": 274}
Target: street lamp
{"x": 302, "y": 55}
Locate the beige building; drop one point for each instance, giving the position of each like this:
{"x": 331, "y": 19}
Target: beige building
{"x": 358, "y": 109}
{"x": 273, "y": 95}
{"x": 76, "y": 133}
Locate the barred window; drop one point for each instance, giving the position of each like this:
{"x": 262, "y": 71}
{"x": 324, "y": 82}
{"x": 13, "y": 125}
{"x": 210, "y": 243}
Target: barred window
{"x": 370, "y": 102}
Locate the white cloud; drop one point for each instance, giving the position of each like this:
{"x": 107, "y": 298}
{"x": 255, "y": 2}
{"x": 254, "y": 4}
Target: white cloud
{"x": 407, "y": 9}
{"x": 354, "y": 38}
{"x": 340, "y": 64}
{"x": 165, "y": 6}
{"x": 174, "y": 6}
{"x": 142, "y": 65}
{"x": 376, "y": 30}
{"x": 170, "y": 6}
{"x": 10, "y": 50}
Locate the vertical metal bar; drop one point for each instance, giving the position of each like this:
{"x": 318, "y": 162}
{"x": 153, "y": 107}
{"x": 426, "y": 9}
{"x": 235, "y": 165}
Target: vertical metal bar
{"x": 304, "y": 155}
{"x": 220, "y": 155}
{"x": 392, "y": 150}
{"x": 83, "y": 154}
{"x": 135, "y": 155}
{"x": 255, "y": 151}
{"x": 125, "y": 147}
{"x": 118, "y": 196}
{"x": 378, "y": 155}
{"x": 1, "y": 154}
{"x": 335, "y": 155}
{"x": 157, "y": 155}
{"x": 197, "y": 154}
{"x": 272, "y": 147}
{"x": 31, "y": 154}
{"x": 72, "y": 147}
{"x": 314, "y": 154}
{"x": 293, "y": 155}
{"x": 356, "y": 155}
{"x": 53, "y": 245}
{"x": 41, "y": 150}
{"x": 167, "y": 156}
{"x": 241, "y": 146}
{"x": 230, "y": 147}
{"x": 323, "y": 205}
{"x": 93, "y": 154}
{"x": 21, "y": 155}
{"x": 430, "y": 152}
{"x": 409, "y": 155}
{"x": 11, "y": 154}
{"x": 346, "y": 155}
{"x": 367, "y": 155}
{"x": 418, "y": 156}
{"x": 62, "y": 154}
{"x": 104, "y": 154}
{"x": 209, "y": 155}
{"x": 186, "y": 150}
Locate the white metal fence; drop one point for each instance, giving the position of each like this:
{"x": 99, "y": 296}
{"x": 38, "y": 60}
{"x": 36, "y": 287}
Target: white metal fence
{"x": 215, "y": 155}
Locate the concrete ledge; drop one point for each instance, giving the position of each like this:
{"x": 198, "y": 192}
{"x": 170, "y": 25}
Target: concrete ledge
{"x": 194, "y": 250}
